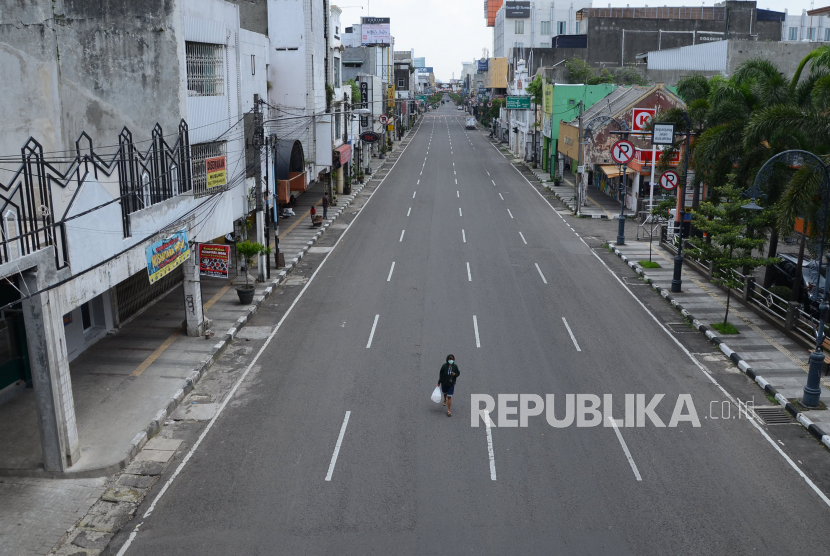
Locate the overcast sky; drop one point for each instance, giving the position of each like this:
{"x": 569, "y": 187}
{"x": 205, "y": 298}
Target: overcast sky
{"x": 447, "y": 32}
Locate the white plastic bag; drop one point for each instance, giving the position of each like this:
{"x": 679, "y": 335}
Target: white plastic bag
{"x": 436, "y": 395}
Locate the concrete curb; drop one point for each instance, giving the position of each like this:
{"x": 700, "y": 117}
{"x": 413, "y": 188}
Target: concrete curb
{"x": 735, "y": 357}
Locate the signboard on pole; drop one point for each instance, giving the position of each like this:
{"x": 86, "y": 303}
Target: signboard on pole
{"x": 375, "y": 31}
{"x": 369, "y": 137}
{"x": 517, "y": 103}
{"x": 662, "y": 134}
{"x": 669, "y": 180}
{"x": 622, "y": 152}
{"x": 215, "y": 172}
{"x": 214, "y": 260}
{"x": 426, "y": 69}
{"x": 165, "y": 255}
{"x": 483, "y": 64}
{"x": 383, "y": 119}
{"x": 641, "y": 118}
{"x": 547, "y": 103}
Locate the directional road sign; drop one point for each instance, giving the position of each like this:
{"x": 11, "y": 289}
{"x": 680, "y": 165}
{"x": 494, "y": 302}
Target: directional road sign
{"x": 622, "y": 152}
{"x": 669, "y": 180}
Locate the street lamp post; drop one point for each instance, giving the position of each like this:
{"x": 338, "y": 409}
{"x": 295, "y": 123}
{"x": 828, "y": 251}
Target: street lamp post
{"x": 798, "y": 159}
{"x": 621, "y": 224}
{"x": 677, "y": 281}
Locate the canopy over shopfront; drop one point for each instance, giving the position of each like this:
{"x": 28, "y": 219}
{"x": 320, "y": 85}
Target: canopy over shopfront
{"x": 613, "y": 171}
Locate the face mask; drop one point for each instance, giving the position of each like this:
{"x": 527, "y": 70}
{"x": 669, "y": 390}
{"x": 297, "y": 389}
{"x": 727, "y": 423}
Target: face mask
{"x": 451, "y": 361}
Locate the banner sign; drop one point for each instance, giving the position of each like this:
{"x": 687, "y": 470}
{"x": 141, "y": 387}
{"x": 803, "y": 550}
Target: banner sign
{"x": 517, "y": 10}
{"x": 518, "y": 103}
{"x": 427, "y": 69}
{"x": 215, "y": 171}
{"x": 483, "y": 64}
{"x": 165, "y": 255}
{"x": 214, "y": 260}
{"x": 375, "y": 30}
{"x": 548, "y": 98}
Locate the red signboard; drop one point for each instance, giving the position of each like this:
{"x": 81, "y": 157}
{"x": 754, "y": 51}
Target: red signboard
{"x": 643, "y": 156}
{"x": 214, "y": 260}
{"x": 641, "y": 117}
{"x": 370, "y": 136}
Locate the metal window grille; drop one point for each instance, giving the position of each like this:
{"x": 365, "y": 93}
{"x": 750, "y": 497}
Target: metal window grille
{"x": 205, "y": 69}
{"x": 198, "y": 154}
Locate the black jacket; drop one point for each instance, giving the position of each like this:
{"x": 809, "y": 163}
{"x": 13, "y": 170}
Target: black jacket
{"x": 448, "y": 378}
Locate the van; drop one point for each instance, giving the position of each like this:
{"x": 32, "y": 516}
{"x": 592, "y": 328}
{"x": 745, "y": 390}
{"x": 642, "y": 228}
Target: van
{"x": 471, "y": 123}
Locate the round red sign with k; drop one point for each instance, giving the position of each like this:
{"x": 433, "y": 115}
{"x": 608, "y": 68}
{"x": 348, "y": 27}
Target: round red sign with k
{"x": 622, "y": 152}
{"x": 669, "y": 180}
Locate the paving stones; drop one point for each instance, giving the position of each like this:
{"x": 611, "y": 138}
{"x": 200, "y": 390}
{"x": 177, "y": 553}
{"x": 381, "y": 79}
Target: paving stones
{"x": 142, "y": 482}
{"x": 107, "y": 517}
{"x": 195, "y": 412}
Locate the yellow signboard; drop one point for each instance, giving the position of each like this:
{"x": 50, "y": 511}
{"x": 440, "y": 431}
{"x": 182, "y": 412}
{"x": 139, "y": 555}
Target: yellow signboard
{"x": 391, "y": 127}
{"x": 215, "y": 171}
{"x": 548, "y": 98}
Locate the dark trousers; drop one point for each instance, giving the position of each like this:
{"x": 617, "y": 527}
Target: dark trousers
{"x": 325, "y": 212}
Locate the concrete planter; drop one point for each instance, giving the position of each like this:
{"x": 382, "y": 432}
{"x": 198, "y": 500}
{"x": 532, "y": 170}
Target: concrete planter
{"x": 246, "y": 294}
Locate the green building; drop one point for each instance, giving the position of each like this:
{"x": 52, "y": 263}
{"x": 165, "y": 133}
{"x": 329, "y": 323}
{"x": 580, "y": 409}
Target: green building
{"x": 564, "y": 105}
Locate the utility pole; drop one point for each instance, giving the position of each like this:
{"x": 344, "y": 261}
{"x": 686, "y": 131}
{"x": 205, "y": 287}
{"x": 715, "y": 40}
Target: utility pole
{"x": 260, "y": 213}
{"x": 579, "y": 163}
{"x": 677, "y": 277}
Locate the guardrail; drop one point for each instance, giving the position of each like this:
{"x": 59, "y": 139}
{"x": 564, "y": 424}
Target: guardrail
{"x": 788, "y": 315}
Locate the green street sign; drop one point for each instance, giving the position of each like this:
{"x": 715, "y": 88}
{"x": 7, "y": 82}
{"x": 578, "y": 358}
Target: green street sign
{"x": 422, "y": 97}
{"x": 518, "y": 103}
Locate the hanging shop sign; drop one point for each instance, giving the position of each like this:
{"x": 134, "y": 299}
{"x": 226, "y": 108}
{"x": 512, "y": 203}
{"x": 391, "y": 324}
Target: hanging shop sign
{"x": 518, "y": 103}
{"x": 214, "y": 260}
{"x": 215, "y": 172}
{"x": 370, "y": 137}
{"x": 165, "y": 255}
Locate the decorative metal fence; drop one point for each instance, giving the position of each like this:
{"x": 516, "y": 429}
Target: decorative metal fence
{"x": 31, "y": 220}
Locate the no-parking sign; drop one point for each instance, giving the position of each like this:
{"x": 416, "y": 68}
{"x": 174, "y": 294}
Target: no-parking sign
{"x": 383, "y": 119}
{"x": 622, "y": 152}
{"x": 669, "y": 180}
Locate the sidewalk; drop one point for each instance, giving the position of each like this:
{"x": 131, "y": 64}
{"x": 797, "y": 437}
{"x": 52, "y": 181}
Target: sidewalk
{"x": 124, "y": 388}
{"x": 760, "y": 350}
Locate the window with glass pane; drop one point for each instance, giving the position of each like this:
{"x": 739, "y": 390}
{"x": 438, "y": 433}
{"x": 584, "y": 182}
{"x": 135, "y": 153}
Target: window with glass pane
{"x": 827, "y": 35}
{"x": 561, "y": 27}
{"x": 198, "y": 154}
{"x": 546, "y": 27}
{"x": 205, "y": 69}
{"x": 520, "y": 27}
{"x": 793, "y": 36}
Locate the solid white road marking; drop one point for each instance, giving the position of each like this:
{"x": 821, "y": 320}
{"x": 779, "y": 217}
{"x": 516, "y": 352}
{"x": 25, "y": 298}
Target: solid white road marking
{"x": 475, "y": 326}
{"x": 540, "y": 273}
{"x": 625, "y": 449}
{"x": 463, "y": 236}
{"x": 410, "y": 210}
{"x": 459, "y": 211}
{"x": 573, "y": 338}
{"x": 523, "y": 238}
{"x": 372, "y": 333}
{"x": 510, "y": 213}
{"x": 502, "y": 198}
{"x": 469, "y": 276}
{"x": 490, "y": 449}
{"x": 389, "y": 278}
{"x": 402, "y": 232}
{"x": 337, "y": 446}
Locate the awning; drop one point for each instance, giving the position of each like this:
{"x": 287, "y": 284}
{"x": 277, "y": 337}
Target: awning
{"x": 613, "y": 171}
{"x": 343, "y": 154}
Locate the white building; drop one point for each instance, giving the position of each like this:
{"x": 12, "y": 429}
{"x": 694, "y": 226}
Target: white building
{"x": 804, "y": 27}
{"x": 517, "y": 26}
{"x": 85, "y": 268}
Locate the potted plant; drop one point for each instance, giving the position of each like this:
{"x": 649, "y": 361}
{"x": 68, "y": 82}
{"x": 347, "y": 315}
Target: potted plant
{"x": 557, "y": 179}
{"x": 248, "y": 250}
{"x": 347, "y": 185}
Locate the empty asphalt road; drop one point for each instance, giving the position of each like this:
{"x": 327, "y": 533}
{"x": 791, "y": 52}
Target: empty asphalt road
{"x": 334, "y": 447}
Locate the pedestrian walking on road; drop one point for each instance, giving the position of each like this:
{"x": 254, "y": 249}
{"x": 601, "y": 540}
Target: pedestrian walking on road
{"x": 325, "y": 205}
{"x": 446, "y": 380}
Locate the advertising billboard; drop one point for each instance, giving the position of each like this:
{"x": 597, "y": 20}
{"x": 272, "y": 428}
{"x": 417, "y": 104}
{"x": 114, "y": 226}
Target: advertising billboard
{"x": 214, "y": 260}
{"x": 427, "y": 69}
{"x": 482, "y": 65}
{"x": 517, "y": 10}
{"x": 165, "y": 255}
{"x": 375, "y": 30}
{"x": 215, "y": 171}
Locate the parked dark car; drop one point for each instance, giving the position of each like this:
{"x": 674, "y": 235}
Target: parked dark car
{"x": 784, "y": 275}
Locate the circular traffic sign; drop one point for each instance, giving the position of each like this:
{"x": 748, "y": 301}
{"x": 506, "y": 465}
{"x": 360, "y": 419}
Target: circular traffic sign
{"x": 669, "y": 180}
{"x": 489, "y": 105}
{"x": 383, "y": 119}
{"x": 622, "y": 152}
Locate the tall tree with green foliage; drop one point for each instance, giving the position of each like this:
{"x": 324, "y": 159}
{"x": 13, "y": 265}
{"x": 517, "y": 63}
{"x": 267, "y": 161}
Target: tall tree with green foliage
{"x": 726, "y": 244}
